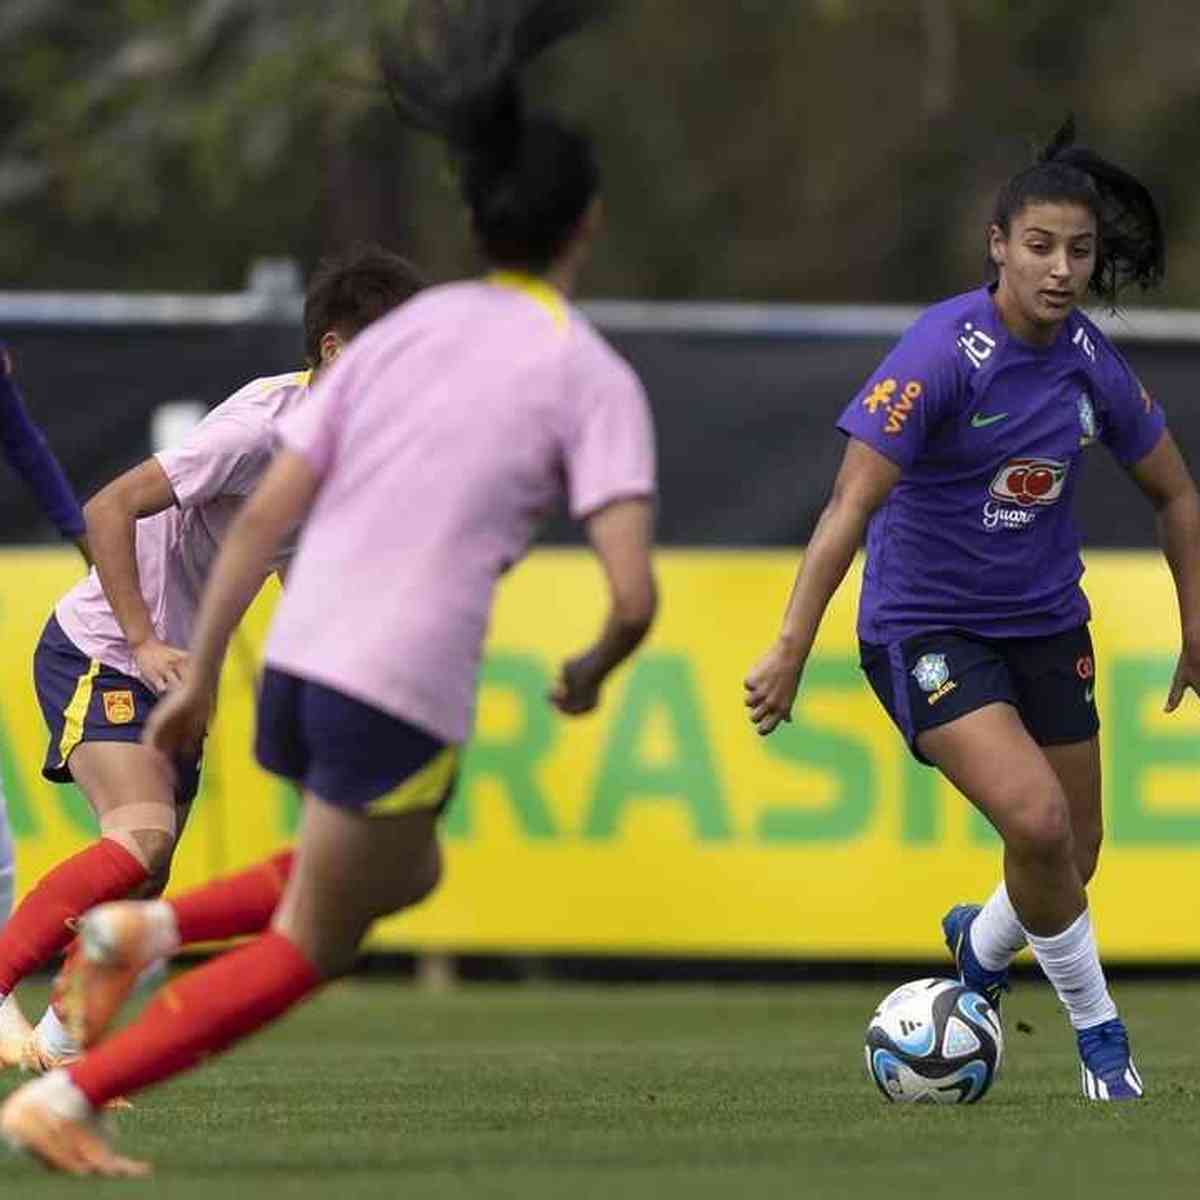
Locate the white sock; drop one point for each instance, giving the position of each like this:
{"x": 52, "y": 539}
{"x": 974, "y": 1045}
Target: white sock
{"x": 54, "y": 1036}
{"x": 1072, "y": 964}
{"x": 996, "y": 934}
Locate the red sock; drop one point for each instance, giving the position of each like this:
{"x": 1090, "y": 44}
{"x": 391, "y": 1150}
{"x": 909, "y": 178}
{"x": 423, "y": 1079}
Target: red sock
{"x": 38, "y": 928}
{"x": 237, "y": 904}
{"x": 199, "y": 1014}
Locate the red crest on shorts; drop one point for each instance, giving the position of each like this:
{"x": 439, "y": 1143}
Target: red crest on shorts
{"x": 118, "y": 707}
{"x": 1085, "y": 667}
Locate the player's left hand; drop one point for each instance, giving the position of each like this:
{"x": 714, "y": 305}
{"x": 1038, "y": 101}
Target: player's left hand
{"x": 178, "y": 722}
{"x": 771, "y": 686}
{"x": 1187, "y": 675}
{"x": 577, "y": 689}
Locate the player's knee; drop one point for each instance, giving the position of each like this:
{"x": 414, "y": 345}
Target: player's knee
{"x": 1039, "y": 826}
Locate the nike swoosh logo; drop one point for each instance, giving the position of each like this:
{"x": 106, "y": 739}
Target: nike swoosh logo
{"x": 1088, "y": 693}
{"x": 979, "y": 421}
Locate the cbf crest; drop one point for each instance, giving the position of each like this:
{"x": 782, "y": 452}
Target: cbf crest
{"x": 1087, "y": 420}
{"x": 931, "y": 672}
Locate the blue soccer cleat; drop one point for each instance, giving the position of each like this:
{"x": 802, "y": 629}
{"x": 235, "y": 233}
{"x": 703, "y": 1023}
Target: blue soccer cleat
{"x": 1106, "y": 1064}
{"x": 956, "y": 928}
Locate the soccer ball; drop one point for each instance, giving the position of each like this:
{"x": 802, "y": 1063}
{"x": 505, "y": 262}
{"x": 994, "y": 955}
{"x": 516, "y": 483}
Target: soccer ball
{"x": 934, "y": 1041}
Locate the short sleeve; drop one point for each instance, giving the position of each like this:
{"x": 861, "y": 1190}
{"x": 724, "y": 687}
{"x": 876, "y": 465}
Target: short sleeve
{"x": 1131, "y": 421}
{"x": 313, "y": 428}
{"x": 915, "y": 386}
{"x": 225, "y": 455}
{"x": 609, "y": 448}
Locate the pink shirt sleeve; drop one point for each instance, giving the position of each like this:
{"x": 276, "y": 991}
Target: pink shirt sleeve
{"x": 609, "y": 449}
{"x": 311, "y": 429}
{"x": 226, "y": 454}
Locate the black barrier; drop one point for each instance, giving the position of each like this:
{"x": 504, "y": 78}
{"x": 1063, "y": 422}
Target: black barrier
{"x": 747, "y": 444}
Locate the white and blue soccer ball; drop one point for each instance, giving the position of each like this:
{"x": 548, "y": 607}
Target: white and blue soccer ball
{"x": 934, "y": 1041}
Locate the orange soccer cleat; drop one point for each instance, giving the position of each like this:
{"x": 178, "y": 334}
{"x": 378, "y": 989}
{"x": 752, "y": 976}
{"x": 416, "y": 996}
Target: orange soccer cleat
{"x": 50, "y": 1120}
{"x": 116, "y": 943}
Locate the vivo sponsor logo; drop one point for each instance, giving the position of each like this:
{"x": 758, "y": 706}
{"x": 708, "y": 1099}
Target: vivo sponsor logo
{"x": 1029, "y": 481}
{"x": 995, "y": 516}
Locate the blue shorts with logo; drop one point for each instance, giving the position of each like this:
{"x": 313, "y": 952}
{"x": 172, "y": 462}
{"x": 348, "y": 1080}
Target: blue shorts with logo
{"x": 347, "y": 752}
{"x": 930, "y": 679}
{"x": 83, "y": 700}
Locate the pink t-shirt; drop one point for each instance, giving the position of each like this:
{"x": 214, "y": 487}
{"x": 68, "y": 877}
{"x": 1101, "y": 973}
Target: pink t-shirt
{"x": 211, "y": 473}
{"x": 443, "y": 436}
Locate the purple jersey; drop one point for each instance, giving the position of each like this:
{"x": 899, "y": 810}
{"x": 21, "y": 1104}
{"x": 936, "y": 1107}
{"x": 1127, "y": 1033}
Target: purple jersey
{"x": 978, "y": 533}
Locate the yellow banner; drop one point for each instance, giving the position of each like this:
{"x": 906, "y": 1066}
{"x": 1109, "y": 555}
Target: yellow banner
{"x": 663, "y": 823}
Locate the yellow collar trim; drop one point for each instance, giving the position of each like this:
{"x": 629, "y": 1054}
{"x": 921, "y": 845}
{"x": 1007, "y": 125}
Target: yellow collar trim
{"x": 537, "y": 289}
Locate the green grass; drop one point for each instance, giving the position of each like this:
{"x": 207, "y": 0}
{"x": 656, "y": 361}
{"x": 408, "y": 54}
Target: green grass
{"x": 381, "y": 1090}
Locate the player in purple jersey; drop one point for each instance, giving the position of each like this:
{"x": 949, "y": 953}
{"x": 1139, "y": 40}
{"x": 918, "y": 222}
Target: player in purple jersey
{"x": 963, "y": 457}
{"x": 25, "y": 448}
{"x": 421, "y": 471}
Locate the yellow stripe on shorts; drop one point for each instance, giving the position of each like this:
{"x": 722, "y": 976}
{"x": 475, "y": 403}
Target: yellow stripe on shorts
{"x": 76, "y": 712}
{"x": 426, "y": 789}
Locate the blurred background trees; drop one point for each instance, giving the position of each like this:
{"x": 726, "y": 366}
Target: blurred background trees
{"x": 753, "y": 149}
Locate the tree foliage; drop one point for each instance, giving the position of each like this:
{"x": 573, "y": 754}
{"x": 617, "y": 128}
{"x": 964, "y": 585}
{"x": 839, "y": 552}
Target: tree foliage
{"x": 814, "y": 149}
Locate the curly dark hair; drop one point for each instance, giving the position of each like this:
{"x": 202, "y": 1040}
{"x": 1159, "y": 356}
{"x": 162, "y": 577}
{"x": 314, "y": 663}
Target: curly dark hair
{"x": 349, "y": 291}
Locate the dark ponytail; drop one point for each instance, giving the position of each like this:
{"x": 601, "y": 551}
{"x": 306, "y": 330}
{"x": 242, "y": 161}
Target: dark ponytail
{"x": 454, "y": 71}
{"x": 1131, "y": 247}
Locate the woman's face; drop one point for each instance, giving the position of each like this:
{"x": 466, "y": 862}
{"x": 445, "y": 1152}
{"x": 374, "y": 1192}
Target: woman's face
{"x": 1045, "y": 263}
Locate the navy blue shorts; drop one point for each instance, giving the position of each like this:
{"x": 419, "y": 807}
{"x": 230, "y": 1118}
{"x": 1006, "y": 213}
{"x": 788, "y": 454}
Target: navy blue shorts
{"x": 347, "y": 752}
{"x": 930, "y": 679}
{"x": 85, "y": 701}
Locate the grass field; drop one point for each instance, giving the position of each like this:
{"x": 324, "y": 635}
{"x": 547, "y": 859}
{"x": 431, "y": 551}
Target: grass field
{"x": 382, "y": 1090}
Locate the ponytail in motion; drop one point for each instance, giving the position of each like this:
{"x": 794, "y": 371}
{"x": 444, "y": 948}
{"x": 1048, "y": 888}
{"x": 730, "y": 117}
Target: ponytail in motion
{"x": 1131, "y": 247}
{"x": 455, "y": 71}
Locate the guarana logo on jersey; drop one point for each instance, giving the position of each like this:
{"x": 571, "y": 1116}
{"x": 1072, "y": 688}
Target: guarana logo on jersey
{"x": 1027, "y": 483}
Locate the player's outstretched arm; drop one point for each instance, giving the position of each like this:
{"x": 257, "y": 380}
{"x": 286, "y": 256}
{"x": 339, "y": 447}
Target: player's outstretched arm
{"x": 176, "y": 725}
{"x": 27, "y": 452}
{"x": 1167, "y": 483}
{"x": 863, "y": 483}
{"x": 112, "y": 515}
{"x": 621, "y": 535}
